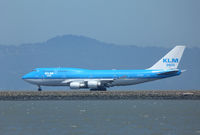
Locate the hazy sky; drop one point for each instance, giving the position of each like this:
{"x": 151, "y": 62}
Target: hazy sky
{"x": 134, "y": 22}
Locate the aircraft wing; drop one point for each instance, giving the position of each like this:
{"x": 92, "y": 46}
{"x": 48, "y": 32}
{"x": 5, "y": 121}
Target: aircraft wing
{"x": 103, "y": 81}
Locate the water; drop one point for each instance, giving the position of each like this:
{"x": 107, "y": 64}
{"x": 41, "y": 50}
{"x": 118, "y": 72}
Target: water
{"x": 98, "y": 117}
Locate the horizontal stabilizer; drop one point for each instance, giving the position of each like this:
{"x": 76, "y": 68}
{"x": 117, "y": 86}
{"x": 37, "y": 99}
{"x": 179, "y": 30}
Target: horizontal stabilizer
{"x": 168, "y": 72}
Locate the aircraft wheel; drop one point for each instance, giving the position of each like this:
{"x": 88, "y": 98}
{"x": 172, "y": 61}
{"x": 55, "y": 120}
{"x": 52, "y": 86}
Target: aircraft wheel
{"x": 93, "y": 89}
{"x": 39, "y": 88}
{"x": 102, "y": 89}
{"x": 98, "y": 89}
{"x": 105, "y": 89}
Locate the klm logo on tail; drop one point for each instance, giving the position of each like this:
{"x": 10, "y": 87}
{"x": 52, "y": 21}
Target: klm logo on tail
{"x": 172, "y": 60}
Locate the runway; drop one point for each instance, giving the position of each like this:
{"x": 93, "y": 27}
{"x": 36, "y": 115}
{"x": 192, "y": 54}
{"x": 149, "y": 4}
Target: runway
{"x": 100, "y": 95}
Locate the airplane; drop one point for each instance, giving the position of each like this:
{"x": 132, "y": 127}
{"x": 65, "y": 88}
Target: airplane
{"x": 100, "y": 80}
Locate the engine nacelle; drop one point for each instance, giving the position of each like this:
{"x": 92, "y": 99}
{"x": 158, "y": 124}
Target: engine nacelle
{"x": 93, "y": 84}
{"x": 77, "y": 85}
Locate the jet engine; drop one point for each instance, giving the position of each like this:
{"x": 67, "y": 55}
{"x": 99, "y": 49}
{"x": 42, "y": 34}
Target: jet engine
{"x": 77, "y": 85}
{"x": 93, "y": 84}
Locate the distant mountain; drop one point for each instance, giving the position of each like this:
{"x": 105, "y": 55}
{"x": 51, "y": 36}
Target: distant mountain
{"x": 84, "y": 52}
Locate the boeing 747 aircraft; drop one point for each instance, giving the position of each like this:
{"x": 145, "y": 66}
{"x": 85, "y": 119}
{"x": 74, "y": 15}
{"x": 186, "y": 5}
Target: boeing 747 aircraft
{"x": 77, "y": 78}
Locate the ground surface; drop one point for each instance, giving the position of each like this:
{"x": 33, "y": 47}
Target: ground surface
{"x": 88, "y": 95}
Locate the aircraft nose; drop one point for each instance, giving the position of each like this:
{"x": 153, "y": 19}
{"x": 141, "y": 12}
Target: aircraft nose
{"x": 25, "y": 76}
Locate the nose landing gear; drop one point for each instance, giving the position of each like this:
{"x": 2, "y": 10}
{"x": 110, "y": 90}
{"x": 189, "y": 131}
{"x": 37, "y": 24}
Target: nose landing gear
{"x": 39, "y": 88}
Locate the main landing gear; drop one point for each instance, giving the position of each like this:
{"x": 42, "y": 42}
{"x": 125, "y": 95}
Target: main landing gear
{"x": 39, "y": 88}
{"x": 99, "y": 89}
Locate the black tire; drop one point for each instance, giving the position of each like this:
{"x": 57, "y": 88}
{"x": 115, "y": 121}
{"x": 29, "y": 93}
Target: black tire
{"x": 93, "y": 89}
{"x": 99, "y": 89}
{"x": 39, "y": 88}
{"x": 103, "y": 89}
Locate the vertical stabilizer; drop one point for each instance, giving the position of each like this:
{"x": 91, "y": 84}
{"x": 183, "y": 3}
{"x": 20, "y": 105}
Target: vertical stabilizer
{"x": 171, "y": 59}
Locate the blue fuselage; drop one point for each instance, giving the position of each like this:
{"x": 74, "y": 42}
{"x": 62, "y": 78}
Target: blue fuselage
{"x": 75, "y": 73}
{"x": 64, "y": 76}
